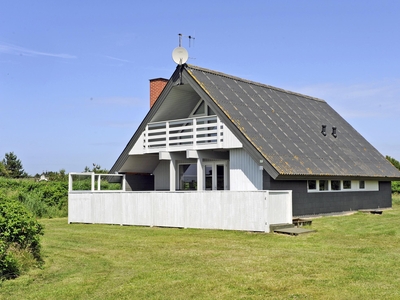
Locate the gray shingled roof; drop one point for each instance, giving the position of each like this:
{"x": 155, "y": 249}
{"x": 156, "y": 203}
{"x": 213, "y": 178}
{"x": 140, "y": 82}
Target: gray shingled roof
{"x": 285, "y": 128}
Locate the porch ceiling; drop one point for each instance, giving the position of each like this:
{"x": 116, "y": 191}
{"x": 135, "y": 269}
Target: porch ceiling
{"x": 140, "y": 163}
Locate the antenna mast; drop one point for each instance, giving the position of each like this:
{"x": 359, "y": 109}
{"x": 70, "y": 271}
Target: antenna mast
{"x": 188, "y": 36}
{"x": 180, "y": 55}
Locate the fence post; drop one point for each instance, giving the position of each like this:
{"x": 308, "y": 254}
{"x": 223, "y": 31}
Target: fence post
{"x": 146, "y": 139}
{"x": 92, "y": 181}
{"x": 167, "y": 135}
{"x": 99, "y": 183}
{"x": 69, "y": 182}
{"x": 194, "y": 131}
{"x": 218, "y": 133}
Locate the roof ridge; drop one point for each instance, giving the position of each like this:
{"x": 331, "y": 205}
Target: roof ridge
{"x": 253, "y": 82}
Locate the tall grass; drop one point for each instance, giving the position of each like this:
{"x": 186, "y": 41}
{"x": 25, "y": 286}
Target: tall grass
{"x": 43, "y": 199}
{"x": 396, "y": 199}
{"x": 47, "y": 199}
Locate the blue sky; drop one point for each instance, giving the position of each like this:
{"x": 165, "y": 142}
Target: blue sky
{"x": 74, "y": 75}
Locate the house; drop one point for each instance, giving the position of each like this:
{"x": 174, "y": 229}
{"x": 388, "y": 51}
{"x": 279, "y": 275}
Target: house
{"x": 251, "y": 136}
{"x": 210, "y": 132}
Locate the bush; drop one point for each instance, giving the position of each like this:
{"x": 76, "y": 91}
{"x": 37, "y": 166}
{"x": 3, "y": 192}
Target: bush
{"x": 395, "y": 186}
{"x": 8, "y": 264}
{"x": 43, "y": 199}
{"x": 396, "y": 199}
{"x": 19, "y": 237}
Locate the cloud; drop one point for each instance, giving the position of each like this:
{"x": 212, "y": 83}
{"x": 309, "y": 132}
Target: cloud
{"x": 17, "y": 50}
{"x": 377, "y": 99}
{"x": 120, "y": 102}
{"x": 115, "y": 58}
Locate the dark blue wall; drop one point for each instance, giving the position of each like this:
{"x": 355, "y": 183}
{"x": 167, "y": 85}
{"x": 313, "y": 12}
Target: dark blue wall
{"x": 139, "y": 182}
{"x": 305, "y": 203}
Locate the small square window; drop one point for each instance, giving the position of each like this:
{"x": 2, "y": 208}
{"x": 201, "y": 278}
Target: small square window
{"x": 346, "y": 184}
{"x": 362, "y": 184}
{"x": 312, "y": 184}
{"x": 335, "y": 185}
{"x": 323, "y": 185}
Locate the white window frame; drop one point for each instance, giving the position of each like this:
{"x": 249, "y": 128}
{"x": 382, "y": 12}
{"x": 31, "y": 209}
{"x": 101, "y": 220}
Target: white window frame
{"x": 369, "y": 186}
{"x": 213, "y": 165}
{"x": 206, "y": 110}
{"x": 178, "y": 175}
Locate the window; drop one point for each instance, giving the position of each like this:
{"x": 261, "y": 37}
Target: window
{"x": 312, "y": 184}
{"x": 188, "y": 177}
{"x": 215, "y": 175}
{"x": 200, "y": 110}
{"x": 315, "y": 186}
{"x": 347, "y": 184}
{"x": 210, "y": 112}
{"x": 335, "y": 185}
{"x": 323, "y": 185}
{"x": 362, "y": 185}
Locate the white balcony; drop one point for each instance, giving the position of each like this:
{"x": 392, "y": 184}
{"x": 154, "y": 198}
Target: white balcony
{"x": 178, "y": 135}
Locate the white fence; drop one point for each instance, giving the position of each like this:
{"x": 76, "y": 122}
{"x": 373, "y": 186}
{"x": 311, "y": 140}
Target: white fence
{"x": 93, "y": 177}
{"x": 193, "y": 132}
{"x": 228, "y": 210}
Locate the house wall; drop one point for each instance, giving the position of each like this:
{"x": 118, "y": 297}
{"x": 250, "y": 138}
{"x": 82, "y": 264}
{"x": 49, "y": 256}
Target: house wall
{"x": 305, "y": 203}
{"x": 161, "y": 174}
{"x": 139, "y": 182}
{"x": 244, "y": 172}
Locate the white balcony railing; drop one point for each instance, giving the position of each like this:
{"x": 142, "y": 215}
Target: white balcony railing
{"x": 194, "y": 133}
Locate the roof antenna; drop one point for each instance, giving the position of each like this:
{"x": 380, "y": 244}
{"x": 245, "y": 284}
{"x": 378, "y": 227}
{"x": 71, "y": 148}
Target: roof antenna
{"x": 190, "y": 39}
{"x": 180, "y": 56}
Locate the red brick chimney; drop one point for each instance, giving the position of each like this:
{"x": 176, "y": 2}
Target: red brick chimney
{"x": 156, "y": 87}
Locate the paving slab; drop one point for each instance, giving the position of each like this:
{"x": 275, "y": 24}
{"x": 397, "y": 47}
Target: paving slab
{"x": 293, "y": 231}
{"x": 371, "y": 211}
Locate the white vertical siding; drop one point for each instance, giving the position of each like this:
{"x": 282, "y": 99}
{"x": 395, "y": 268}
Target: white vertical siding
{"x": 138, "y": 147}
{"x": 244, "y": 173}
{"x": 161, "y": 176}
{"x": 252, "y": 210}
{"x": 230, "y": 140}
{"x": 277, "y": 208}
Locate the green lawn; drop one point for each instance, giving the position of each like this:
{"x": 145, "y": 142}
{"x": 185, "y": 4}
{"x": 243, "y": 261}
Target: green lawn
{"x": 349, "y": 257}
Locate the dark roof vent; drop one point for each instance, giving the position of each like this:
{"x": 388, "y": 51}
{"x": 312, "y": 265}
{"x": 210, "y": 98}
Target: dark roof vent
{"x": 323, "y": 131}
{"x": 334, "y": 132}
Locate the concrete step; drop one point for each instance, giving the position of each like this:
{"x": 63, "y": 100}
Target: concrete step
{"x": 293, "y": 231}
{"x": 274, "y": 227}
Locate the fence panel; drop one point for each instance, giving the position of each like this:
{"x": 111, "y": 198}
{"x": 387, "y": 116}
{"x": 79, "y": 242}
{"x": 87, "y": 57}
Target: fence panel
{"x": 228, "y": 210}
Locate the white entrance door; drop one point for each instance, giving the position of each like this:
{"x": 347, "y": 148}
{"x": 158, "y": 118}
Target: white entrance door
{"x": 216, "y": 175}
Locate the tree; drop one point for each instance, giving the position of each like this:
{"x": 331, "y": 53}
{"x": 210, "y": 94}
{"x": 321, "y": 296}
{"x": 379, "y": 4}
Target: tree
{"x": 54, "y": 176}
{"x": 13, "y": 166}
{"x": 3, "y": 170}
{"x": 396, "y": 164}
{"x": 393, "y": 161}
{"x": 96, "y": 169}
